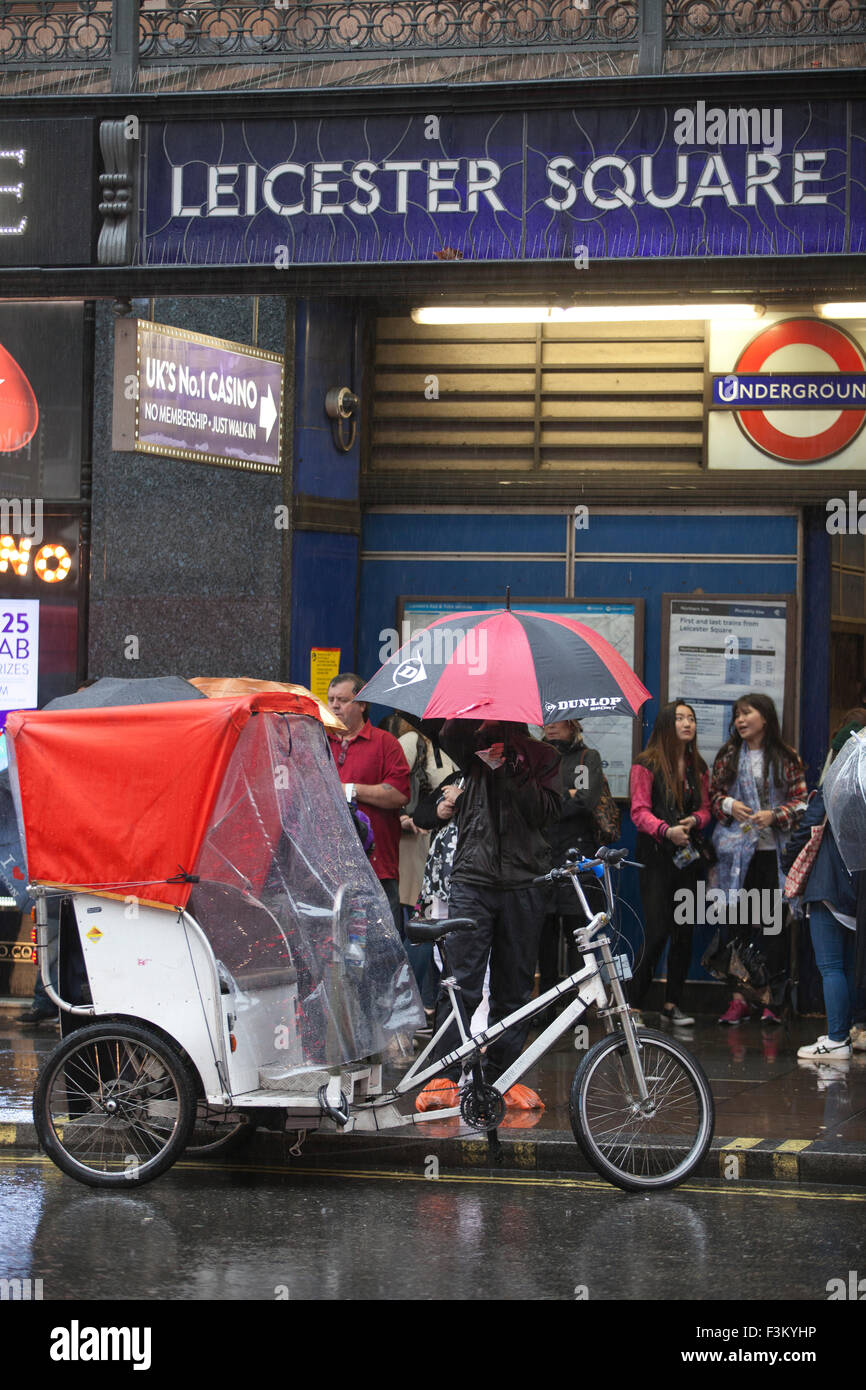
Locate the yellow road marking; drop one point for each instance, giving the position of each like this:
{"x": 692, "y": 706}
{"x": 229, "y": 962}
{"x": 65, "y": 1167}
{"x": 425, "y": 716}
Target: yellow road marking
{"x": 740, "y": 1144}
{"x": 495, "y": 1179}
{"x": 794, "y": 1145}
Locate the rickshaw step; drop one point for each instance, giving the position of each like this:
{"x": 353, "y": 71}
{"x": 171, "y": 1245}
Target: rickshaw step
{"x": 356, "y": 1082}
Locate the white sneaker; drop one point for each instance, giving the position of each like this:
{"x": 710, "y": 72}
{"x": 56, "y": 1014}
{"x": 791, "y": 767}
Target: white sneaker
{"x": 677, "y": 1017}
{"x": 826, "y": 1050}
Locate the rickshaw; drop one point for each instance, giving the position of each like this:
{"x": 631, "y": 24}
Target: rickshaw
{"x": 228, "y": 957}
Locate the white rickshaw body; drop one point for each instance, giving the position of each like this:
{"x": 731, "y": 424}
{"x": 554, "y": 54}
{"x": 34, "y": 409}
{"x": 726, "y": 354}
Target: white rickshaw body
{"x": 222, "y": 897}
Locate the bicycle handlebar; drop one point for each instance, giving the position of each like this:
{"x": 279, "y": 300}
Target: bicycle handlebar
{"x": 605, "y": 856}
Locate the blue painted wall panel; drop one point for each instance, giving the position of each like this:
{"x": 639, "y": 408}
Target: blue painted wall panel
{"x": 691, "y": 534}
{"x": 505, "y": 532}
{"x": 324, "y": 568}
{"x": 326, "y": 356}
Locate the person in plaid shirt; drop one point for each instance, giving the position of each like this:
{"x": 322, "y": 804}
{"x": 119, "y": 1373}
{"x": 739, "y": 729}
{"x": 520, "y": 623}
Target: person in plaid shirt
{"x": 757, "y": 795}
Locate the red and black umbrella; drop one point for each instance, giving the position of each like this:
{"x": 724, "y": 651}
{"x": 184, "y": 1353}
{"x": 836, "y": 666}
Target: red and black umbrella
{"x": 533, "y": 668}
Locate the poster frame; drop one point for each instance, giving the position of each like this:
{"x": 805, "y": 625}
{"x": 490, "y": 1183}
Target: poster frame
{"x": 788, "y": 601}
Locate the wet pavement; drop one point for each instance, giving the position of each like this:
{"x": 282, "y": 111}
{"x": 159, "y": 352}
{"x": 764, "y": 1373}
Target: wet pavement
{"x": 783, "y": 1118}
{"x": 255, "y": 1232}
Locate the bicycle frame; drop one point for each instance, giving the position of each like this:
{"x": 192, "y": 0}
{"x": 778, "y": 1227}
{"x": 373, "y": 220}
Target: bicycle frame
{"x": 470, "y": 1045}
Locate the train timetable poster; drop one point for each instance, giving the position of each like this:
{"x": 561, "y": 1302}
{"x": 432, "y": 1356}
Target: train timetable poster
{"x": 718, "y": 648}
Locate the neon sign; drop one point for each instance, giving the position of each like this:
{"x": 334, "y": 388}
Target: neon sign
{"x": 14, "y": 190}
{"x": 51, "y": 563}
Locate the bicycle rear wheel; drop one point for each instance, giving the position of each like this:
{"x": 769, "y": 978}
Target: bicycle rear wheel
{"x": 114, "y": 1105}
{"x": 642, "y": 1145}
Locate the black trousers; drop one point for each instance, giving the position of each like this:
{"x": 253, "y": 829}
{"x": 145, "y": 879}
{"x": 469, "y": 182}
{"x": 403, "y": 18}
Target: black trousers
{"x": 559, "y": 923}
{"x": 509, "y": 927}
{"x": 763, "y": 874}
{"x": 659, "y": 882}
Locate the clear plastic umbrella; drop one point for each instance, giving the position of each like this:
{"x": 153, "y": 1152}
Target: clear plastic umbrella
{"x": 844, "y": 791}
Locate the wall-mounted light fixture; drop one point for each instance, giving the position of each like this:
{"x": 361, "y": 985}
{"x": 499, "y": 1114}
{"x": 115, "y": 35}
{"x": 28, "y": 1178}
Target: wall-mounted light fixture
{"x": 844, "y": 309}
{"x": 591, "y": 313}
{"x": 341, "y": 405}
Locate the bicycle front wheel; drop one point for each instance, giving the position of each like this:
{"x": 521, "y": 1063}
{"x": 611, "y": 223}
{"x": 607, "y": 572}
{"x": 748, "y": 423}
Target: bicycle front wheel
{"x": 642, "y": 1144}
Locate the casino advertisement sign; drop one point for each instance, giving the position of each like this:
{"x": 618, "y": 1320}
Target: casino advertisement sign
{"x": 789, "y": 392}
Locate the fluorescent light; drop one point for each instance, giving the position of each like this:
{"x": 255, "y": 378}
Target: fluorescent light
{"x": 597, "y": 313}
{"x": 843, "y": 310}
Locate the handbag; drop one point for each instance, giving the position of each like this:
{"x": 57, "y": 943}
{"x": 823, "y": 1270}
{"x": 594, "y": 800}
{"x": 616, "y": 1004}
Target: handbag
{"x": 605, "y": 813}
{"x": 741, "y": 965}
{"x": 798, "y": 874}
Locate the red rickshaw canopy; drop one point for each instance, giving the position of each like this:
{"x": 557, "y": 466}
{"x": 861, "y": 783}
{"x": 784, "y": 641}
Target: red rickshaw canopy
{"x": 118, "y": 799}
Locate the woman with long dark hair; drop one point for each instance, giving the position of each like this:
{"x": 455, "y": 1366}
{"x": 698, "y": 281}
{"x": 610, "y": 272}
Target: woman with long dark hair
{"x": 670, "y": 807}
{"x": 758, "y": 793}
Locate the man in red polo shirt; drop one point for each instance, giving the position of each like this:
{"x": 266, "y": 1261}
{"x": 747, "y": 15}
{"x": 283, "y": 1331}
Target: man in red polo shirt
{"x": 374, "y": 770}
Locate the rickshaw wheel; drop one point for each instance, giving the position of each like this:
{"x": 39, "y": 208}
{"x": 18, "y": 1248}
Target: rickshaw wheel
{"x": 114, "y": 1105}
{"x": 211, "y": 1137}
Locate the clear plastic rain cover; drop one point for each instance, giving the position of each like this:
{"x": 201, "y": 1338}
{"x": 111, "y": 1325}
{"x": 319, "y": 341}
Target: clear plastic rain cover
{"x": 844, "y": 789}
{"x": 292, "y": 908}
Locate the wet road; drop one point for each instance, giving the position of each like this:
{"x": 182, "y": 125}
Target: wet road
{"x": 208, "y": 1232}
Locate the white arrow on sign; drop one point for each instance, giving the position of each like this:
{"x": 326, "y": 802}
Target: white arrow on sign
{"x": 267, "y": 413}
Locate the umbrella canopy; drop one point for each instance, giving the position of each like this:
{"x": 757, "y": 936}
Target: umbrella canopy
{"x": 112, "y": 690}
{"x": 533, "y": 668}
{"x": 220, "y": 687}
{"x": 844, "y": 789}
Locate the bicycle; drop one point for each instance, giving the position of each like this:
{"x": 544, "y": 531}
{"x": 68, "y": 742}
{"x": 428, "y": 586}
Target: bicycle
{"x": 640, "y": 1107}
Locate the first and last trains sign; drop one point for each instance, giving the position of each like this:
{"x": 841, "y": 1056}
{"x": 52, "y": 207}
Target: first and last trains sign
{"x": 556, "y": 185}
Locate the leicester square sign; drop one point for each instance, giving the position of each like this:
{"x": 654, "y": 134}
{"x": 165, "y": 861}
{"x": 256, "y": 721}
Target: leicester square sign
{"x": 552, "y": 184}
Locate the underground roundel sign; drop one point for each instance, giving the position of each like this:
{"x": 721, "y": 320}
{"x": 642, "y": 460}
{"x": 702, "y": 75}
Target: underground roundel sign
{"x": 803, "y": 385}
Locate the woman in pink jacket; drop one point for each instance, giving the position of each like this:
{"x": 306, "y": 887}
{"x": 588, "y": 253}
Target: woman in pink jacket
{"x": 670, "y": 807}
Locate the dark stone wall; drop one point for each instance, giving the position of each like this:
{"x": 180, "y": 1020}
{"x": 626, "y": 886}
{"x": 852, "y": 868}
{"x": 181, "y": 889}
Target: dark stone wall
{"x": 185, "y": 556}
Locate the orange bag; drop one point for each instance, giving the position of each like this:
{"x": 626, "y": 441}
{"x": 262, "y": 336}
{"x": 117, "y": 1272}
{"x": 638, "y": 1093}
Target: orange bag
{"x": 438, "y": 1094}
{"x": 522, "y": 1098}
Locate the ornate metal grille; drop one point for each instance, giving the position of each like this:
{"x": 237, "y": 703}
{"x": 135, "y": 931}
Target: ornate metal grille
{"x": 59, "y": 33}
{"x": 745, "y": 21}
{"x": 36, "y": 35}
{"x": 250, "y": 32}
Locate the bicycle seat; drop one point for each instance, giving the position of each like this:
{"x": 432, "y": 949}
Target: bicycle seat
{"x": 418, "y": 930}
